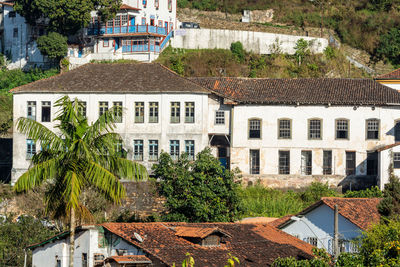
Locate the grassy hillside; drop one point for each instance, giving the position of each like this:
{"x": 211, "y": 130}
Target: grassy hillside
{"x": 371, "y": 25}
{"x": 220, "y": 62}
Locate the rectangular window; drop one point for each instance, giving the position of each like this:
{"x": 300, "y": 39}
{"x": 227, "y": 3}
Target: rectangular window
{"x": 103, "y": 108}
{"x": 372, "y": 163}
{"x": 342, "y": 129}
{"x": 397, "y": 131}
{"x": 284, "y": 162}
{"x": 350, "y": 163}
{"x": 156, "y": 3}
{"x": 106, "y": 43}
{"x": 170, "y": 5}
{"x": 12, "y": 14}
{"x": 219, "y": 117}
{"x": 153, "y": 150}
{"x": 189, "y": 112}
{"x": 306, "y": 162}
{"x": 160, "y": 22}
{"x": 153, "y": 112}
{"x": 175, "y": 112}
{"x": 82, "y": 108}
{"x": 313, "y": 241}
{"x": 124, "y": 20}
{"x": 314, "y": 129}
{"x": 143, "y": 21}
{"x": 255, "y": 128}
{"x": 138, "y": 150}
{"x": 144, "y": 2}
{"x": 373, "y": 129}
{"x": 46, "y": 111}
{"x": 30, "y": 148}
{"x": 110, "y": 23}
{"x": 98, "y": 259}
{"x": 174, "y": 149}
{"x": 189, "y": 149}
{"x": 254, "y": 161}
{"x": 15, "y": 33}
{"x": 327, "y": 162}
{"x": 117, "y": 21}
{"x": 285, "y": 129}
{"x": 396, "y": 160}
{"x": 119, "y": 148}
{"x": 31, "y": 110}
{"x": 118, "y": 111}
{"x": 139, "y": 112}
{"x": 58, "y": 263}
{"x": 84, "y": 260}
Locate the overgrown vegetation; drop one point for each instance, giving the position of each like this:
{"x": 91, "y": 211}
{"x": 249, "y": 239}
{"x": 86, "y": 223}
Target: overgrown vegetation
{"x": 53, "y": 45}
{"x": 239, "y": 63}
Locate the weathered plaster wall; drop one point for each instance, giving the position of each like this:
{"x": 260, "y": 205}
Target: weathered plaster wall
{"x": 257, "y": 42}
{"x": 163, "y": 131}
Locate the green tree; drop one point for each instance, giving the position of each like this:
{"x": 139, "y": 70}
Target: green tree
{"x": 302, "y": 49}
{"x": 53, "y": 45}
{"x": 78, "y": 157}
{"x": 238, "y": 51}
{"x": 15, "y": 236}
{"x": 389, "y": 207}
{"x": 389, "y": 47}
{"x": 199, "y": 191}
{"x": 65, "y": 16}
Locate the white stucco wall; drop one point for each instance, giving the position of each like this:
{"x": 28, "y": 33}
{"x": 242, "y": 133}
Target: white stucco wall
{"x": 269, "y": 144}
{"x": 257, "y": 42}
{"x": 320, "y": 223}
{"x": 392, "y": 84}
{"x": 163, "y": 131}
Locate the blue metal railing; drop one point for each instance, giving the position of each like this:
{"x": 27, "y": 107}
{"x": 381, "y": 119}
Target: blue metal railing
{"x": 127, "y": 29}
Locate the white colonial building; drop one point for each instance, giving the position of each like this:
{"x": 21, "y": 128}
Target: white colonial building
{"x": 18, "y": 39}
{"x": 285, "y": 132}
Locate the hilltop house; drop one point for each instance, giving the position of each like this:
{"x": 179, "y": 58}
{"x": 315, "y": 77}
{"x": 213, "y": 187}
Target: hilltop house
{"x": 315, "y": 224}
{"x": 286, "y": 132}
{"x": 166, "y": 244}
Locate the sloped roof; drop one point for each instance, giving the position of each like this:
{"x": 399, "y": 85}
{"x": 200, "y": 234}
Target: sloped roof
{"x": 129, "y": 259}
{"x": 197, "y": 232}
{"x": 393, "y": 75}
{"x": 7, "y": 3}
{"x": 254, "y": 245}
{"x": 362, "y": 212}
{"x": 114, "y": 78}
{"x": 302, "y": 91}
{"x": 127, "y": 7}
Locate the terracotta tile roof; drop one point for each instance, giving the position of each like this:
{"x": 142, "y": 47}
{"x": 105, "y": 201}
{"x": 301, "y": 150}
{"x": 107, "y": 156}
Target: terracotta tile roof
{"x": 263, "y": 220}
{"x": 362, "y": 212}
{"x": 126, "y": 7}
{"x": 302, "y": 91}
{"x": 390, "y": 76}
{"x": 280, "y": 221}
{"x": 129, "y": 259}
{"x": 7, "y": 3}
{"x": 199, "y": 232}
{"x": 254, "y": 245}
{"x": 114, "y": 78}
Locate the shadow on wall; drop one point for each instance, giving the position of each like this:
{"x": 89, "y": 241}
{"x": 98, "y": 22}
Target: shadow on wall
{"x": 5, "y": 159}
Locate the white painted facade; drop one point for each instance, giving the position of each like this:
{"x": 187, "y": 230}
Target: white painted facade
{"x": 17, "y": 40}
{"x": 87, "y": 242}
{"x": 163, "y": 131}
{"x": 319, "y": 224}
{"x": 257, "y": 42}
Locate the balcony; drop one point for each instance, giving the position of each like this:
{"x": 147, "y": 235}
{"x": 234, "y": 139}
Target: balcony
{"x": 128, "y": 29}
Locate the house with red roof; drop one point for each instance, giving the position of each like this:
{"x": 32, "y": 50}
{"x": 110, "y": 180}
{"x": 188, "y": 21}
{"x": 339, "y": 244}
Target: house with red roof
{"x": 315, "y": 224}
{"x": 391, "y": 79}
{"x": 163, "y": 244}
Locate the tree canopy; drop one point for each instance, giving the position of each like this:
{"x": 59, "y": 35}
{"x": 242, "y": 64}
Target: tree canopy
{"x": 65, "y": 16}
{"x": 53, "y": 45}
{"x": 197, "y": 191}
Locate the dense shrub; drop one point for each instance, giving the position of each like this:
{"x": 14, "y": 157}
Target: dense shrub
{"x": 238, "y": 51}
{"x": 53, "y": 45}
{"x": 367, "y": 193}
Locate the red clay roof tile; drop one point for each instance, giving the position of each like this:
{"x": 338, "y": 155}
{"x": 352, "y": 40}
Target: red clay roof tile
{"x": 129, "y": 259}
{"x": 394, "y": 75}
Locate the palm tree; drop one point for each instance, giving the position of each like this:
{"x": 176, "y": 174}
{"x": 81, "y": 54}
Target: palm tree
{"x": 78, "y": 156}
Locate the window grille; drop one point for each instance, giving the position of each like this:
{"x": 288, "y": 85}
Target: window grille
{"x": 103, "y": 108}
{"x": 31, "y": 110}
{"x": 219, "y": 117}
{"x": 350, "y": 163}
{"x": 153, "y": 150}
{"x": 373, "y": 129}
{"x": 98, "y": 258}
{"x": 254, "y": 161}
{"x": 189, "y": 149}
{"x": 327, "y": 162}
{"x": 153, "y": 112}
{"x": 46, "y": 111}
{"x": 284, "y": 162}
{"x": 174, "y": 149}
{"x": 110, "y": 23}
{"x": 139, "y": 112}
{"x": 313, "y": 241}
{"x": 342, "y": 129}
{"x": 189, "y": 112}
{"x": 82, "y": 108}
{"x": 306, "y": 162}
{"x": 118, "y": 111}
{"x": 284, "y": 129}
{"x": 124, "y": 20}
{"x": 30, "y": 148}
{"x": 117, "y": 21}
{"x": 175, "y": 112}
{"x": 396, "y": 160}
{"x": 314, "y": 129}
{"x": 255, "y": 128}
{"x": 138, "y": 150}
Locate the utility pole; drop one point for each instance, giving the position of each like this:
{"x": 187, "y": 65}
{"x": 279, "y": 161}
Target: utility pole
{"x": 336, "y": 232}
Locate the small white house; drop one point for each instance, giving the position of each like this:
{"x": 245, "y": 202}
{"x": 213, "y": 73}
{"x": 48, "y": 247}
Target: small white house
{"x": 315, "y": 224}
{"x": 391, "y": 79}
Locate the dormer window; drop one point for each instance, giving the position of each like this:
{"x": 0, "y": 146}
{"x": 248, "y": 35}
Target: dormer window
{"x": 206, "y": 237}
